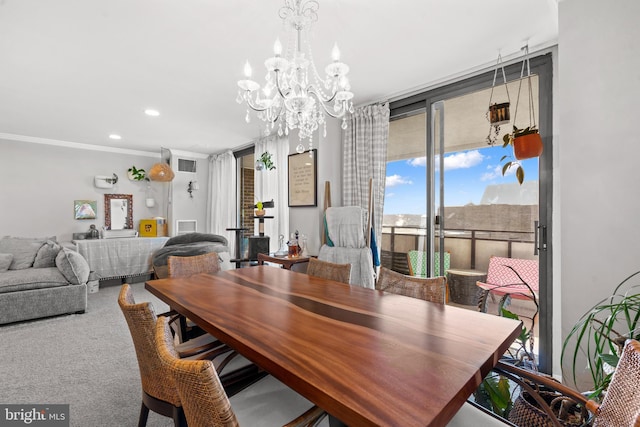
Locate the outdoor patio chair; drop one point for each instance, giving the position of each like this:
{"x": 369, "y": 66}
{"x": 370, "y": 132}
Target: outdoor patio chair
{"x": 417, "y": 261}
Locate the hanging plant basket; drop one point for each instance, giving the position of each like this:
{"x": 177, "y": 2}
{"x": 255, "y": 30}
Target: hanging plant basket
{"x": 527, "y": 144}
{"x": 498, "y": 113}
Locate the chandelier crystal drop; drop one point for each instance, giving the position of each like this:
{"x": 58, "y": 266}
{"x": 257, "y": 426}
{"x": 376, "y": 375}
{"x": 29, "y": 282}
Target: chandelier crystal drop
{"x": 294, "y": 95}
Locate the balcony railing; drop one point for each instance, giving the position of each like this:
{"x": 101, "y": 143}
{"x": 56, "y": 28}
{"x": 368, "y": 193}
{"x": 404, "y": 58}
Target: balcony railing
{"x": 469, "y": 248}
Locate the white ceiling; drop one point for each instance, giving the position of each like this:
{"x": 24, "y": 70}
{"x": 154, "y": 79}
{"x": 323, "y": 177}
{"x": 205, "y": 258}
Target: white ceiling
{"x": 79, "y": 70}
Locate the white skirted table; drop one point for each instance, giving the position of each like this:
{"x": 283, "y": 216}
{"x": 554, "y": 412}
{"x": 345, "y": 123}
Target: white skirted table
{"x": 121, "y": 257}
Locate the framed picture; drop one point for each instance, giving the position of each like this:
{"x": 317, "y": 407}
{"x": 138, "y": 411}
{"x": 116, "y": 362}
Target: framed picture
{"x": 85, "y": 209}
{"x": 303, "y": 179}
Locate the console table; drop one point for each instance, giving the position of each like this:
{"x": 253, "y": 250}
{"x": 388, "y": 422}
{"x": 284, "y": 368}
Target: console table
{"x": 120, "y": 257}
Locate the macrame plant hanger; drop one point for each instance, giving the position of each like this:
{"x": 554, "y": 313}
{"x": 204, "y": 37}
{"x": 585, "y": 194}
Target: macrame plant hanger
{"x": 532, "y": 113}
{"x": 497, "y": 114}
{"x": 527, "y": 142}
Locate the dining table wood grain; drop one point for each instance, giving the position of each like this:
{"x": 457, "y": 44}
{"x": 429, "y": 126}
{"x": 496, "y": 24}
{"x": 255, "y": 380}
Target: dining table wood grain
{"x": 365, "y": 356}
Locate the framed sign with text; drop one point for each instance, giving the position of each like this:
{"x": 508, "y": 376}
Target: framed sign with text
{"x": 303, "y": 179}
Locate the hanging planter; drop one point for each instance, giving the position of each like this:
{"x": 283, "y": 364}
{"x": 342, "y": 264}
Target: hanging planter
{"x": 526, "y": 142}
{"x": 265, "y": 162}
{"x": 498, "y": 113}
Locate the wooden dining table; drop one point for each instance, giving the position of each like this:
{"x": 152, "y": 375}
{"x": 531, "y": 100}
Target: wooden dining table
{"x": 366, "y": 357}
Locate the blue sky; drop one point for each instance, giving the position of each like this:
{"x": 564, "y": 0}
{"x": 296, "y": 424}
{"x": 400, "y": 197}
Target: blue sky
{"x": 467, "y": 173}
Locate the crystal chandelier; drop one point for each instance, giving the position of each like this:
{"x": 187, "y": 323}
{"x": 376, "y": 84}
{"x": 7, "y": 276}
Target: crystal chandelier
{"x": 294, "y": 95}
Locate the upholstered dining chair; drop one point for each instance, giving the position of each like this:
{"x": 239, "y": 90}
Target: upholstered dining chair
{"x": 329, "y": 270}
{"x": 432, "y": 289}
{"x": 158, "y": 391}
{"x": 206, "y": 404}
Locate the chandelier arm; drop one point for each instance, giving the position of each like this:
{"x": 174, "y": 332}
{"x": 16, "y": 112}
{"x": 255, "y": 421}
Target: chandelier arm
{"x": 254, "y": 106}
{"x": 334, "y": 115}
{"x": 318, "y": 94}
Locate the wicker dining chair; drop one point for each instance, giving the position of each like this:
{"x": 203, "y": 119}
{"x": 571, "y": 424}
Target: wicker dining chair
{"x": 158, "y": 390}
{"x": 432, "y": 289}
{"x": 185, "y": 266}
{"x": 620, "y": 406}
{"x": 329, "y": 270}
{"x": 207, "y": 405}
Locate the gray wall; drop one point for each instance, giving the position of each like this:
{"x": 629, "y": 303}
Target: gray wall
{"x": 309, "y": 220}
{"x": 181, "y": 206}
{"x": 597, "y": 165}
{"x": 39, "y": 183}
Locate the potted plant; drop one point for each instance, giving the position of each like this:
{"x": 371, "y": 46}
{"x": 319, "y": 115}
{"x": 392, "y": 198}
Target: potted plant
{"x": 265, "y": 161}
{"x": 498, "y": 113}
{"x": 136, "y": 174}
{"x": 259, "y": 209}
{"x": 526, "y": 143}
{"x": 600, "y": 334}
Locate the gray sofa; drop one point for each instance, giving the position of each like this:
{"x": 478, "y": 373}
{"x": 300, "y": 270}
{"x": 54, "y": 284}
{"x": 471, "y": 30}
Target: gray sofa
{"x": 39, "y": 278}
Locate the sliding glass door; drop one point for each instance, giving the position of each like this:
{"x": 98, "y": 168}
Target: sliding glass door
{"x": 448, "y": 207}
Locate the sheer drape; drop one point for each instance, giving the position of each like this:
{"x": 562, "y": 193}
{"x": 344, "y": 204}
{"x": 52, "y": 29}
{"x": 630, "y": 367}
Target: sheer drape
{"x": 273, "y": 185}
{"x": 365, "y": 156}
{"x": 221, "y": 206}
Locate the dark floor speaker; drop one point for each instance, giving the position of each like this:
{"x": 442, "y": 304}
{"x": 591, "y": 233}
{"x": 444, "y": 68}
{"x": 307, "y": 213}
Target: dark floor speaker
{"x": 258, "y": 245}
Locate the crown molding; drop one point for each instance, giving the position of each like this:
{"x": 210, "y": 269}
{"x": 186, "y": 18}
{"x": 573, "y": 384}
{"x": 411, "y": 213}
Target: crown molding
{"x": 76, "y": 145}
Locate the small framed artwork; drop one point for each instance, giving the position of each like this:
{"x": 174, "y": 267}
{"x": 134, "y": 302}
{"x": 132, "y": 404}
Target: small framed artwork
{"x": 303, "y": 179}
{"x": 85, "y": 209}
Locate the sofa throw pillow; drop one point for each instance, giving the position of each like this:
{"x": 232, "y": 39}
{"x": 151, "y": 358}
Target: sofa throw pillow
{"x": 5, "y": 261}
{"x": 24, "y": 251}
{"x": 73, "y": 266}
{"x": 46, "y": 256}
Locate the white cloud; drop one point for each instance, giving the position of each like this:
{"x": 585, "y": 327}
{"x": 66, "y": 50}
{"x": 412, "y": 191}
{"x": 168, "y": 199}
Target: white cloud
{"x": 418, "y": 162}
{"x": 389, "y": 194}
{"x": 462, "y": 160}
{"x": 393, "y": 180}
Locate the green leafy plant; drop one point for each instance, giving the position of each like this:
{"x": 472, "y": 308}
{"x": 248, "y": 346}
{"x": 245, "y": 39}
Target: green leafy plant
{"x": 138, "y": 174}
{"x": 600, "y": 334}
{"x": 507, "y": 140}
{"x": 259, "y": 206}
{"x": 267, "y": 161}
{"x": 495, "y": 392}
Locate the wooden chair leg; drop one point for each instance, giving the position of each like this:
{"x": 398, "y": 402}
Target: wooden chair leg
{"x": 179, "y": 420}
{"x": 144, "y": 414}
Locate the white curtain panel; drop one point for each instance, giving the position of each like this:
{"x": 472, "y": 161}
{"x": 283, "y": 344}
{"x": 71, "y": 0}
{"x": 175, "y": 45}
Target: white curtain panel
{"x": 273, "y": 184}
{"x": 221, "y": 206}
{"x": 365, "y": 156}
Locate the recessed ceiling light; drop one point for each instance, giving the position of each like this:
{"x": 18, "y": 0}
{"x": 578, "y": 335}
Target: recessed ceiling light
{"x": 114, "y": 136}
{"x": 152, "y": 113}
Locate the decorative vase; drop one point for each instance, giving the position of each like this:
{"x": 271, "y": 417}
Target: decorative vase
{"x": 259, "y": 212}
{"x": 527, "y": 146}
